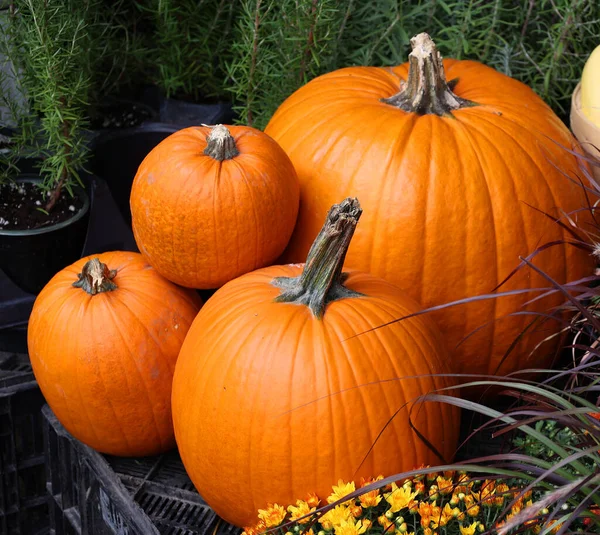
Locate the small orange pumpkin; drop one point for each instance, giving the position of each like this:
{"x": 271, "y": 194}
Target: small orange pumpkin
{"x": 275, "y": 395}
{"x": 211, "y": 203}
{"x": 103, "y": 338}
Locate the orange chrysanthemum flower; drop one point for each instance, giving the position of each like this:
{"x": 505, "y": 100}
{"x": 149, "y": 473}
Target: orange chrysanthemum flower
{"x": 370, "y": 499}
{"x": 273, "y": 515}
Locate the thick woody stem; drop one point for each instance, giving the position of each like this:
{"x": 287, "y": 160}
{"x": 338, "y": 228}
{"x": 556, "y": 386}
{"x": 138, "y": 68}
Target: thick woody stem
{"x": 426, "y": 90}
{"x": 96, "y": 277}
{"x": 220, "y": 144}
{"x": 321, "y": 281}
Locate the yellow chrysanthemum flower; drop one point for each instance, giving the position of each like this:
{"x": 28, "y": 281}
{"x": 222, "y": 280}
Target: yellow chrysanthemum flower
{"x": 341, "y": 490}
{"x": 448, "y": 513}
{"x": 273, "y": 515}
{"x": 350, "y": 527}
{"x": 299, "y": 510}
{"x": 468, "y": 530}
{"x": 335, "y": 516}
{"x": 399, "y": 498}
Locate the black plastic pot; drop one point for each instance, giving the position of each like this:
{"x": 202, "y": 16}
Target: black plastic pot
{"x": 117, "y": 154}
{"x": 106, "y": 232}
{"x": 184, "y": 113}
{"x": 30, "y": 258}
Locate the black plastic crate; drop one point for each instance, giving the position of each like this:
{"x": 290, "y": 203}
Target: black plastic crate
{"x": 96, "y": 494}
{"x": 23, "y": 502}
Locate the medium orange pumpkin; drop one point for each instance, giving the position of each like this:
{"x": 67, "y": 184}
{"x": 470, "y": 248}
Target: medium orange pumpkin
{"x": 211, "y": 203}
{"x": 103, "y": 337}
{"x": 453, "y": 178}
{"x": 275, "y": 395}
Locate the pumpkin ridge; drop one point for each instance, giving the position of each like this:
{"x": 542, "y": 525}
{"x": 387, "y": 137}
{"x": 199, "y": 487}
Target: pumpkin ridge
{"x": 132, "y": 355}
{"x": 542, "y": 174}
{"x": 213, "y": 371}
{"x": 398, "y": 146}
{"x": 155, "y": 312}
{"x": 75, "y": 414}
{"x": 362, "y": 389}
{"x": 384, "y": 313}
{"x": 101, "y": 379}
{"x": 408, "y": 368}
{"x": 375, "y": 307}
{"x": 475, "y": 147}
{"x": 495, "y": 366}
{"x": 258, "y": 251}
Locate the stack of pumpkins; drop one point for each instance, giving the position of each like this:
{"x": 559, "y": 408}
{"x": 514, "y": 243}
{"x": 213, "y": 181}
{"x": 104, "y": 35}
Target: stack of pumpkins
{"x": 293, "y": 376}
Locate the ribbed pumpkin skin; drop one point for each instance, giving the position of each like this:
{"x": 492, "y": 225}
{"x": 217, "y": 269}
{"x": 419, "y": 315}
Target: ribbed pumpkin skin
{"x": 201, "y": 222}
{"x": 105, "y": 362}
{"x": 252, "y": 410}
{"x": 445, "y": 199}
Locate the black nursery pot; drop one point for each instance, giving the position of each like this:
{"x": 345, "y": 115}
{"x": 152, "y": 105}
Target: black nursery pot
{"x": 30, "y": 258}
{"x": 117, "y": 154}
{"x": 185, "y": 113}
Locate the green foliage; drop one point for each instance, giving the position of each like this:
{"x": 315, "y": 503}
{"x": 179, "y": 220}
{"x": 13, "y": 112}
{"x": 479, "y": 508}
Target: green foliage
{"x": 51, "y": 45}
{"x": 279, "y": 46}
{"x": 188, "y": 45}
{"x": 543, "y": 43}
{"x": 118, "y": 59}
{"x": 555, "y": 432}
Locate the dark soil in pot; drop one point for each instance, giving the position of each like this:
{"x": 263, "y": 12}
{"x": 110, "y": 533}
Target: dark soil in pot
{"x": 40, "y": 245}
{"x": 120, "y": 114}
{"x": 22, "y": 203}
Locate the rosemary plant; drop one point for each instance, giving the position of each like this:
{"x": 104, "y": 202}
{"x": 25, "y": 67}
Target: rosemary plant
{"x": 279, "y": 46}
{"x": 543, "y": 43}
{"x": 120, "y": 53}
{"x": 190, "y": 43}
{"x": 49, "y": 43}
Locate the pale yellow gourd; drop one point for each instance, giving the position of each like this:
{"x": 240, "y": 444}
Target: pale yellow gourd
{"x": 590, "y": 87}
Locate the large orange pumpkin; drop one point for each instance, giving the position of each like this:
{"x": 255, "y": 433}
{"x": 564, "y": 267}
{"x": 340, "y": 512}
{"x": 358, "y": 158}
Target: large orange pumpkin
{"x": 275, "y": 396}
{"x": 454, "y": 179}
{"x": 211, "y": 203}
{"x": 103, "y": 338}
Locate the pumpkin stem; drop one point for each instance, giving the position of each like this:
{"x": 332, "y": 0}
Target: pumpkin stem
{"x": 426, "y": 90}
{"x": 321, "y": 281}
{"x": 220, "y": 144}
{"x": 95, "y": 277}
